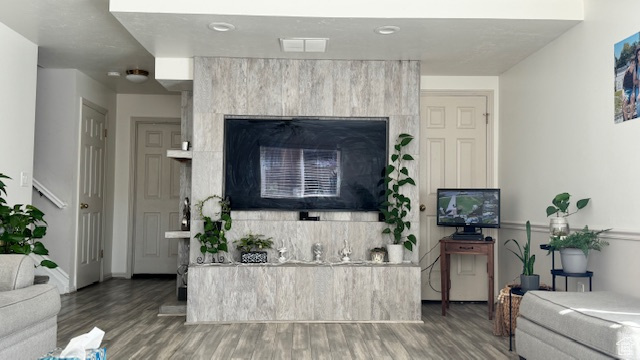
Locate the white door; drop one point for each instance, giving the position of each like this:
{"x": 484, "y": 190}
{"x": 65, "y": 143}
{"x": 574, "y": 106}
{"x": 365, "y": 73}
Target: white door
{"x": 91, "y": 196}
{"x": 157, "y": 194}
{"x": 453, "y": 139}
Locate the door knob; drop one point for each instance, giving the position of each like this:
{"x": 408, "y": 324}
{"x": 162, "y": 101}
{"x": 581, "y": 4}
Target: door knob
{"x": 422, "y": 207}
{"x": 83, "y": 206}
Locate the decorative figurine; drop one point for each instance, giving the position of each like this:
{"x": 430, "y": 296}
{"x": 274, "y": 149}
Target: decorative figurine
{"x": 345, "y": 252}
{"x": 281, "y": 252}
{"x": 186, "y": 215}
{"x": 317, "y": 250}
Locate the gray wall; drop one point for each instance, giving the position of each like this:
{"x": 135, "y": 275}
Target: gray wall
{"x": 226, "y": 86}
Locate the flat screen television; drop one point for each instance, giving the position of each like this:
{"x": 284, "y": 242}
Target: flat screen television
{"x": 305, "y": 163}
{"x": 469, "y": 209}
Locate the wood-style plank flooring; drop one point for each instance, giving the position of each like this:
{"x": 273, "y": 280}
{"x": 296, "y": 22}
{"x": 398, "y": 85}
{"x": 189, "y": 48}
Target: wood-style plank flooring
{"x": 127, "y": 310}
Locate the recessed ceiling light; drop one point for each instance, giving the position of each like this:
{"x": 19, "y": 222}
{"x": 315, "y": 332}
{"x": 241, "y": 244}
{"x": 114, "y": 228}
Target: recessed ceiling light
{"x": 387, "y": 30}
{"x": 221, "y": 26}
{"x": 113, "y": 74}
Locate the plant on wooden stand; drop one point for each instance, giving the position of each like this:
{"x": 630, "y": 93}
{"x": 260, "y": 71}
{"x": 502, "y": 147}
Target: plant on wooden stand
{"x": 528, "y": 279}
{"x": 397, "y": 206}
{"x": 213, "y": 239}
{"x": 21, "y": 228}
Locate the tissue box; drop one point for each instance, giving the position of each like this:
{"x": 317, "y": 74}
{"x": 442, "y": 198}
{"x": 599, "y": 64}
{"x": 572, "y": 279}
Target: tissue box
{"x": 93, "y": 354}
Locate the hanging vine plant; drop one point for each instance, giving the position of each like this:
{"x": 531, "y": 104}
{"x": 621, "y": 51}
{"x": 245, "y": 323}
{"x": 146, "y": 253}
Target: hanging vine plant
{"x": 213, "y": 238}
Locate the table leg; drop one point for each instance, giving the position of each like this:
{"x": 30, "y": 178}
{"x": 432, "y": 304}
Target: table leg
{"x": 443, "y": 278}
{"x": 490, "y": 276}
{"x": 448, "y": 282}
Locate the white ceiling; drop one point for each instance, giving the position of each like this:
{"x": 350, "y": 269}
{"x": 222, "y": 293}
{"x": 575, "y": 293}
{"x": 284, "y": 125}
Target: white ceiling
{"x": 84, "y": 35}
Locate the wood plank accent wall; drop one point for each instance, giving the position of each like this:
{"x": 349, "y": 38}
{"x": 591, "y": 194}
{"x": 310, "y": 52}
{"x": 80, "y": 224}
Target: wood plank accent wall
{"x": 278, "y": 87}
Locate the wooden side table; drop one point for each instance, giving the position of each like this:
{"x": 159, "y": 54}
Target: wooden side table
{"x": 449, "y": 246}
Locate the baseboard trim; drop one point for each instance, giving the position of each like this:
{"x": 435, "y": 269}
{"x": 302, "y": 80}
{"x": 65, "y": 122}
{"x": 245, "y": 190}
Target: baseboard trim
{"x": 116, "y": 275}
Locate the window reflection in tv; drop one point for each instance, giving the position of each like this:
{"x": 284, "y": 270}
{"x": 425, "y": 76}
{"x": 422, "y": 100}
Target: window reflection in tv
{"x": 303, "y": 163}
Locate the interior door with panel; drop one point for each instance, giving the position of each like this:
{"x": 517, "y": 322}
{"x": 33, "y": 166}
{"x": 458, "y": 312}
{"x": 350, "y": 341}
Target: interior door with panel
{"x": 453, "y": 155}
{"x": 91, "y": 196}
{"x": 157, "y": 193}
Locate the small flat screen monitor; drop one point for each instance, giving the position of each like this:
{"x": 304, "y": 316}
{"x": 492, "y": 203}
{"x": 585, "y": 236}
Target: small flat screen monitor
{"x": 469, "y": 209}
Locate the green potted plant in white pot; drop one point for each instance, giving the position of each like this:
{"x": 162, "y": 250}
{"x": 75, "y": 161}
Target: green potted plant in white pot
{"x": 22, "y": 228}
{"x": 397, "y": 206}
{"x": 558, "y": 225}
{"x": 528, "y": 279}
{"x": 574, "y": 248}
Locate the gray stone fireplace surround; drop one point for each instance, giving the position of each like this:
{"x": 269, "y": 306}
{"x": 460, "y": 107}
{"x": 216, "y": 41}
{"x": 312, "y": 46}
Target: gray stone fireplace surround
{"x": 281, "y": 87}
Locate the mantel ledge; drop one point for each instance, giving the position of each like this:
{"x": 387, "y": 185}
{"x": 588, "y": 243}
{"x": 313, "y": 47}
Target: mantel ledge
{"x": 307, "y": 264}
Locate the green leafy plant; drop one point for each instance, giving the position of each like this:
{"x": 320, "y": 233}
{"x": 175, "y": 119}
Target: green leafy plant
{"x": 397, "y": 206}
{"x": 561, "y": 205}
{"x": 584, "y": 240}
{"x": 253, "y": 241}
{"x": 524, "y": 252}
{"x": 213, "y": 238}
{"x": 21, "y": 228}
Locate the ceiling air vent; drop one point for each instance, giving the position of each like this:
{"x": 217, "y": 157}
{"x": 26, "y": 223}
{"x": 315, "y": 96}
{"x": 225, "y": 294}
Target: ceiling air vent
{"x": 303, "y": 44}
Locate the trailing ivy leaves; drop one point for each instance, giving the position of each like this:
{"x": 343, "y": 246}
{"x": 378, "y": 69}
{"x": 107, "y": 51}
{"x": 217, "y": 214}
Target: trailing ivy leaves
{"x": 21, "y": 227}
{"x": 397, "y": 206}
{"x": 213, "y": 237}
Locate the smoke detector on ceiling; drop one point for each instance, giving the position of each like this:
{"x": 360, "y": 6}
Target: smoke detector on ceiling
{"x": 303, "y": 44}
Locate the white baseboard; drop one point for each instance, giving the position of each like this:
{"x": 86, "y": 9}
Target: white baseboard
{"x": 57, "y": 276}
{"x": 120, "y": 275}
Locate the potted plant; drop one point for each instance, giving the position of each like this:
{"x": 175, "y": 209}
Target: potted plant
{"x": 21, "y": 228}
{"x": 528, "y": 279}
{"x": 558, "y": 225}
{"x": 574, "y": 248}
{"x": 213, "y": 238}
{"x": 397, "y": 206}
{"x": 251, "y": 247}
{"x": 378, "y": 254}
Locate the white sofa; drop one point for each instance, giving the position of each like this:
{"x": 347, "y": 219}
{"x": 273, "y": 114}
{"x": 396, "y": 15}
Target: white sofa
{"x": 578, "y": 325}
{"x": 28, "y": 313}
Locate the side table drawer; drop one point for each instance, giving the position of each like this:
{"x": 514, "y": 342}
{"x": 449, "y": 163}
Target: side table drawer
{"x": 471, "y": 247}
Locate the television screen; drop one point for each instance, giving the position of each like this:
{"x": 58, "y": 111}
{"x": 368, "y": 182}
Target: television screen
{"x": 469, "y": 208}
{"x": 305, "y": 163}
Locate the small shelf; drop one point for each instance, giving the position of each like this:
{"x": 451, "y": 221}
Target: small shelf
{"x": 177, "y": 235}
{"x": 180, "y": 154}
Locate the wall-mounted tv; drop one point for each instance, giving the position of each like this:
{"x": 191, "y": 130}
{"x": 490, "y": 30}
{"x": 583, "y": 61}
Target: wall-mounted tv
{"x": 305, "y": 163}
{"x": 469, "y": 209}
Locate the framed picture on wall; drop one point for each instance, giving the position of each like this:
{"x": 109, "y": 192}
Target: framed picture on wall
{"x": 627, "y": 79}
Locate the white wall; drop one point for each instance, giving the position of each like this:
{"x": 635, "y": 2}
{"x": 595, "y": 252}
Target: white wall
{"x": 17, "y": 111}
{"x": 58, "y": 113}
{"x": 557, "y": 134}
{"x": 168, "y": 106}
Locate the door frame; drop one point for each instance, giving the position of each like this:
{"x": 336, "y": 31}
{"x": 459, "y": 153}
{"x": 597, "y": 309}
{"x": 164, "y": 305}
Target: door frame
{"x": 105, "y": 112}
{"x": 491, "y": 152}
{"x": 135, "y": 121}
